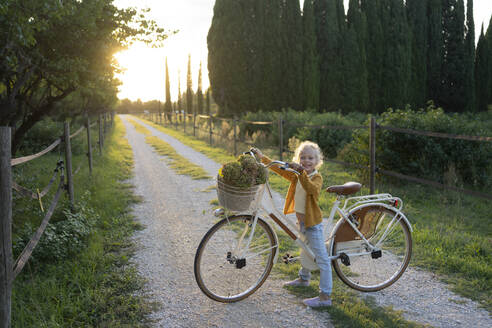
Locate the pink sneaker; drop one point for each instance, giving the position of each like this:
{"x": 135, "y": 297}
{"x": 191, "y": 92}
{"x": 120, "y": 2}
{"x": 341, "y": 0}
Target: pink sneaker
{"x": 297, "y": 283}
{"x": 315, "y": 302}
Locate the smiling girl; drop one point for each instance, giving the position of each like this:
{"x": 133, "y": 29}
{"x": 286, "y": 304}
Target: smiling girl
{"x": 302, "y": 199}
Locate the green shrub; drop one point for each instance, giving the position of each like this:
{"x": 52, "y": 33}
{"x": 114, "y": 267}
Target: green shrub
{"x": 62, "y": 238}
{"x": 449, "y": 161}
{"x": 331, "y": 141}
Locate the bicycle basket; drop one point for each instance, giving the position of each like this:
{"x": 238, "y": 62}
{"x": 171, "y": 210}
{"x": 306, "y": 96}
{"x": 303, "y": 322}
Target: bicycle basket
{"x": 366, "y": 219}
{"x": 235, "y": 199}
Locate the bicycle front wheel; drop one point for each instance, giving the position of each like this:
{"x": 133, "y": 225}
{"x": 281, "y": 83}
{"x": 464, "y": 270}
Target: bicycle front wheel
{"x": 370, "y": 270}
{"x": 226, "y": 269}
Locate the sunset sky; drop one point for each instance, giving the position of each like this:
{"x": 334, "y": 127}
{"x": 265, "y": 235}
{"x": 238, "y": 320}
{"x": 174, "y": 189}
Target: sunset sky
{"x": 144, "y": 77}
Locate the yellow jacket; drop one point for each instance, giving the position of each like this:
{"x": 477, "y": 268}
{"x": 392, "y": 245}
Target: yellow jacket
{"x": 312, "y": 186}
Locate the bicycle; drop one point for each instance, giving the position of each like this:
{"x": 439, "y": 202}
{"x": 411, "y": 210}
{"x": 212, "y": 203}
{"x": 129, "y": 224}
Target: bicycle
{"x": 370, "y": 245}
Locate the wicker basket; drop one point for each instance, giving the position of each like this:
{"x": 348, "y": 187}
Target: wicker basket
{"x": 235, "y": 199}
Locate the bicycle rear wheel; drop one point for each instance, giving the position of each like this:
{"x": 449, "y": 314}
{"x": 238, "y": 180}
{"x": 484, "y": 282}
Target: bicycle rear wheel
{"x": 224, "y": 269}
{"x": 368, "y": 270}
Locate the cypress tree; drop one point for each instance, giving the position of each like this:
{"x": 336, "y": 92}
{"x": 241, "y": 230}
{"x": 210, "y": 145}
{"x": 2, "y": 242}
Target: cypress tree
{"x": 179, "y": 104}
{"x": 189, "y": 91}
{"x": 483, "y": 69}
{"x": 435, "y": 53}
{"x": 168, "y": 105}
{"x": 397, "y": 53}
{"x": 199, "y": 93}
{"x": 229, "y": 46}
{"x": 470, "y": 58}
{"x": 356, "y": 96}
{"x": 207, "y": 102}
{"x": 310, "y": 66}
{"x": 291, "y": 55}
{"x": 419, "y": 27}
{"x": 272, "y": 46}
{"x": 329, "y": 30}
{"x": 488, "y": 37}
{"x": 374, "y": 52}
{"x": 452, "y": 93}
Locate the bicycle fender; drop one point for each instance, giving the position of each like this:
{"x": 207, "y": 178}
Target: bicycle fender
{"x": 394, "y": 209}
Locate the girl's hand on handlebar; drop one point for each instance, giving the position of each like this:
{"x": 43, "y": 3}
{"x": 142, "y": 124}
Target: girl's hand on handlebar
{"x": 295, "y": 166}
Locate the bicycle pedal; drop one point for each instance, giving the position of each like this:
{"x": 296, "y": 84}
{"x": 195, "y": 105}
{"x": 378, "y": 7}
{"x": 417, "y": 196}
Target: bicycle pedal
{"x": 344, "y": 258}
{"x": 287, "y": 258}
{"x": 376, "y": 254}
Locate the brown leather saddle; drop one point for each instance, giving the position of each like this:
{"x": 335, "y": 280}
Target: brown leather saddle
{"x": 348, "y": 188}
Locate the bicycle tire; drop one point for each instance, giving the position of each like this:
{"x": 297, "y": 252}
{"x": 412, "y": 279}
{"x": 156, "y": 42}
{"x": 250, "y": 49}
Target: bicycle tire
{"x": 373, "y": 271}
{"x": 219, "y": 274}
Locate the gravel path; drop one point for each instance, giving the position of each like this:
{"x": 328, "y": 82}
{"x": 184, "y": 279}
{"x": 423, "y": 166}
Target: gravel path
{"x": 175, "y": 220}
{"x": 172, "y": 212}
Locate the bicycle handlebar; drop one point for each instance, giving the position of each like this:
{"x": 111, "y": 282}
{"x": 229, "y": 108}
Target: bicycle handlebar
{"x": 282, "y": 165}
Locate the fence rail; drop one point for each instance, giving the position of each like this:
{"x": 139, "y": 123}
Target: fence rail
{"x": 9, "y": 269}
{"x": 373, "y": 127}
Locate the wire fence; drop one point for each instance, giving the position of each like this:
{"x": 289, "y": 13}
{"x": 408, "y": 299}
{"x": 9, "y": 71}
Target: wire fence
{"x": 214, "y": 133}
{"x": 10, "y": 269}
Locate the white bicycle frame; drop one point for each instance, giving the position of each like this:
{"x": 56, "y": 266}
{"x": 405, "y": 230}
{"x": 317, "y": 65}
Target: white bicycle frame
{"x": 351, "y": 203}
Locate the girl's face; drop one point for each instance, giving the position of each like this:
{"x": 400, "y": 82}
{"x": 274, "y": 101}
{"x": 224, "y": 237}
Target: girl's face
{"x": 308, "y": 159}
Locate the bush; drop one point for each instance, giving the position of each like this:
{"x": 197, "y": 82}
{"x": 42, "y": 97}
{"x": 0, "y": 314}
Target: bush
{"x": 331, "y": 141}
{"x": 60, "y": 239}
{"x": 450, "y": 161}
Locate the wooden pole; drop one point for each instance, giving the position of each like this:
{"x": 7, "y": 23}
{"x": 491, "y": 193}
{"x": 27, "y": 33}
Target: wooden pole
{"x": 184, "y": 122}
{"x": 372, "y": 150}
{"x": 101, "y": 136}
{"x": 234, "y": 123}
{"x": 68, "y": 163}
{"x": 89, "y": 144}
{"x": 210, "y": 129}
{"x": 5, "y": 227}
{"x": 194, "y": 126}
{"x": 281, "y": 137}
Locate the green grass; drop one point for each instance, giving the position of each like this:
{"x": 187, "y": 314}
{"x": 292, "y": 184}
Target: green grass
{"x": 97, "y": 286}
{"x": 177, "y": 162}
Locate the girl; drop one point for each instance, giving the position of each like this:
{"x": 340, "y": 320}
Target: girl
{"x": 302, "y": 198}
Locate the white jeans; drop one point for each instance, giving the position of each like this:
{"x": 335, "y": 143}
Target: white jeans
{"x": 316, "y": 241}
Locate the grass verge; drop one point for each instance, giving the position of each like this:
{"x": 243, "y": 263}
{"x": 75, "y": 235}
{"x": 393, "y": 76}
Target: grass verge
{"x": 177, "y": 162}
{"x": 95, "y": 286}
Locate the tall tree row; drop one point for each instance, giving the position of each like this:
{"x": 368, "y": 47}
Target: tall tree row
{"x": 268, "y": 55}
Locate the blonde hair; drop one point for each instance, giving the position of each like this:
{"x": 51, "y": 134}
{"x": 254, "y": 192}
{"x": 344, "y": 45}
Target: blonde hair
{"x": 317, "y": 152}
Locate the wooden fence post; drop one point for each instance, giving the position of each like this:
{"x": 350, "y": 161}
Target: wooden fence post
{"x": 194, "y": 126}
{"x": 210, "y": 129}
{"x": 89, "y": 144}
{"x": 101, "y": 136}
{"x": 372, "y": 150}
{"x": 234, "y": 123}
{"x": 6, "y": 260}
{"x": 68, "y": 163}
{"x": 281, "y": 137}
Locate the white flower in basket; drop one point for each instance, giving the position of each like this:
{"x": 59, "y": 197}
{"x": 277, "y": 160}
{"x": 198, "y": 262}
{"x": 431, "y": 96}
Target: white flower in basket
{"x": 238, "y": 183}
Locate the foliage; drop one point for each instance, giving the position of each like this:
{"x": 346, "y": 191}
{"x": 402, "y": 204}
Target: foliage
{"x": 381, "y": 54}
{"x": 58, "y": 57}
{"x": 96, "y": 286}
{"x": 483, "y": 69}
{"x": 243, "y": 173}
{"x": 450, "y": 161}
{"x": 330, "y": 140}
{"x": 63, "y": 238}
